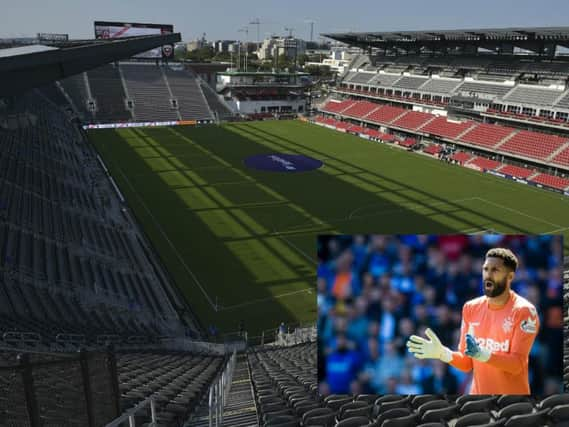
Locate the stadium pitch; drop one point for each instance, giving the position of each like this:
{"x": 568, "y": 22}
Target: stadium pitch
{"x": 240, "y": 242}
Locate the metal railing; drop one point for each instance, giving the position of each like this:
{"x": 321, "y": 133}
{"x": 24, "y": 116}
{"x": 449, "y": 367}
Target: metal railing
{"x": 218, "y": 392}
{"x": 130, "y": 414}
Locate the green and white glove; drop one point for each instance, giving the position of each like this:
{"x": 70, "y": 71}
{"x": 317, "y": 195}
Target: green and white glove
{"x": 428, "y": 349}
{"x": 475, "y": 351}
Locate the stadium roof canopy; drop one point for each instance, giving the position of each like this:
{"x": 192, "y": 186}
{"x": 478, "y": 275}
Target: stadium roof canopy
{"x": 26, "y": 67}
{"x": 541, "y": 41}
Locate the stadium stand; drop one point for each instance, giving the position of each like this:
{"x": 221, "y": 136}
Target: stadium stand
{"x": 284, "y": 380}
{"x": 410, "y": 82}
{"x": 361, "y": 77}
{"x": 486, "y": 135}
{"x": 108, "y": 92}
{"x": 413, "y": 120}
{"x": 485, "y": 88}
{"x": 337, "y": 107}
{"x": 65, "y": 238}
{"x": 176, "y": 382}
{"x": 563, "y": 102}
{"x": 516, "y": 171}
{"x": 484, "y": 163}
{"x": 532, "y": 95}
{"x": 433, "y": 149}
{"x": 360, "y": 109}
{"x": 147, "y": 87}
{"x": 461, "y": 157}
{"x": 562, "y": 158}
{"x": 385, "y": 80}
{"x": 533, "y": 144}
{"x": 442, "y": 127}
{"x": 385, "y": 114}
{"x": 75, "y": 88}
{"x": 444, "y": 86}
{"x": 187, "y": 91}
{"x": 216, "y": 105}
{"x": 552, "y": 181}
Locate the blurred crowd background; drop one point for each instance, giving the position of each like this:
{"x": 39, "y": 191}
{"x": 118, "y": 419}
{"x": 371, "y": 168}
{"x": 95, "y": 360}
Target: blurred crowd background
{"x": 375, "y": 291}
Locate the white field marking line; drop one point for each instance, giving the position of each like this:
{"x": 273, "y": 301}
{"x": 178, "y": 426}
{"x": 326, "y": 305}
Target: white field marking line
{"x": 470, "y": 230}
{"x": 489, "y": 231}
{"x": 407, "y": 206}
{"x": 300, "y": 251}
{"x": 557, "y": 230}
{"x": 518, "y": 212}
{"x": 297, "y": 227}
{"x": 257, "y": 301}
{"x": 163, "y": 233}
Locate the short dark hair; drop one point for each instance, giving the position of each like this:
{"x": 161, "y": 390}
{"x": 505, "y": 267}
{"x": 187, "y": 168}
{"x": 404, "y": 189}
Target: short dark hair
{"x": 506, "y": 255}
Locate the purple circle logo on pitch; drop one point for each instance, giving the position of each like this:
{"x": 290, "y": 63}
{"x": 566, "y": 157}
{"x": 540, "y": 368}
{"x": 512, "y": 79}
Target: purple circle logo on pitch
{"x": 282, "y": 162}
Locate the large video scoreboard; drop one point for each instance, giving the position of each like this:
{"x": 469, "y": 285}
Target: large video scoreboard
{"x": 113, "y": 30}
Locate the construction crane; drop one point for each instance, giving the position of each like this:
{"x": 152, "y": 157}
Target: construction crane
{"x": 246, "y": 31}
{"x": 258, "y": 23}
{"x": 311, "y": 22}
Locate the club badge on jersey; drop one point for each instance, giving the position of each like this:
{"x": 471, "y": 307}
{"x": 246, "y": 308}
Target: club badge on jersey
{"x": 507, "y": 325}
{"x": 529, "y": 325}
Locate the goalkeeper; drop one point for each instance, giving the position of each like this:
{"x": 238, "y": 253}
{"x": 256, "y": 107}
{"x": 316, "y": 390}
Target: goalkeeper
{"x": 497, "y": 333}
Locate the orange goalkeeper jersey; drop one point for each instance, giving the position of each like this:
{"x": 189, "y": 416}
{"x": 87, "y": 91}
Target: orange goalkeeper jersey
{"x": 508, "y": 332}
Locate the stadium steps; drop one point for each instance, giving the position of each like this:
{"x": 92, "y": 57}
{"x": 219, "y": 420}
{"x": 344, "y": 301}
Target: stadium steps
{"x": 88, "y": 87}
{"x": 125, "y": 88}
{"x": 240, "y": 409}
{"x": 460, "y": 135}
{"x": 426, "y": 123}
{"x": 556, "y": 152}
{"x": 399, "y": 116}
{"x": 371, "y": 112}
{"x": 167, "y": 83}
{"x": 216, "y": 103}
{"x": 508, "y": 93}
{"x": 560, "y": 97}
{"x": 506, "y": 139}
{"x": 533, "y": 175}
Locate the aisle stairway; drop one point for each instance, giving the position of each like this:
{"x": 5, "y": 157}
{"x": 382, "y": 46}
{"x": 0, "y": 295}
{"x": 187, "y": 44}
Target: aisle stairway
{"x": 239, "y": 410}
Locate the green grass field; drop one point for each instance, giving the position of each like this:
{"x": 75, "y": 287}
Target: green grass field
{"x": 241, "y": 244}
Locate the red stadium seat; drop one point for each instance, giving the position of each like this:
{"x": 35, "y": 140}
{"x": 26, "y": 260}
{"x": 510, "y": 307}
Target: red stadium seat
{"x": 484, "y": 163}
{"x": 442, "y": 127}
{"x": 486, "y": 135}
{"x": 551, "y": 181}
{"x": 533, "y": 144}
{"x": 516, "y": 171}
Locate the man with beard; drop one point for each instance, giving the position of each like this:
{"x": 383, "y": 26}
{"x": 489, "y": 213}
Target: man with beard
{"x": 497, "y": 333}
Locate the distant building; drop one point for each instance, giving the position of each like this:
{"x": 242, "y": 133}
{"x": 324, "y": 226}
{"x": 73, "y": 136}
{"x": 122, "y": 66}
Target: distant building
{"x": 288, "y": 46}
{"x": 197, "y": 44}
{"x": 222, "y": 46}
{"x": 264, "y": 94}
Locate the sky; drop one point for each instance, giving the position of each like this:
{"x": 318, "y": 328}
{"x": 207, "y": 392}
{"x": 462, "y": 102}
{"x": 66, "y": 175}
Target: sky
{"x": 222, "y": 19}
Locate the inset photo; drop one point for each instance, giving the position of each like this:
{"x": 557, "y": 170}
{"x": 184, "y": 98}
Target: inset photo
{"x": 440, "y": 314}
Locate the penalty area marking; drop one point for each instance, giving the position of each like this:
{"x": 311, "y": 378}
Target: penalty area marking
{"x": 259, "y": 300}
{"x": 406, "y": 206}
{"x": 518, "y": 212}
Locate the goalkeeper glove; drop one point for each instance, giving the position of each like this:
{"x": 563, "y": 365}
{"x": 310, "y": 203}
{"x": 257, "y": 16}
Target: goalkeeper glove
{"x": 428, "y": 349}
{"x": 475, "y": 351}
